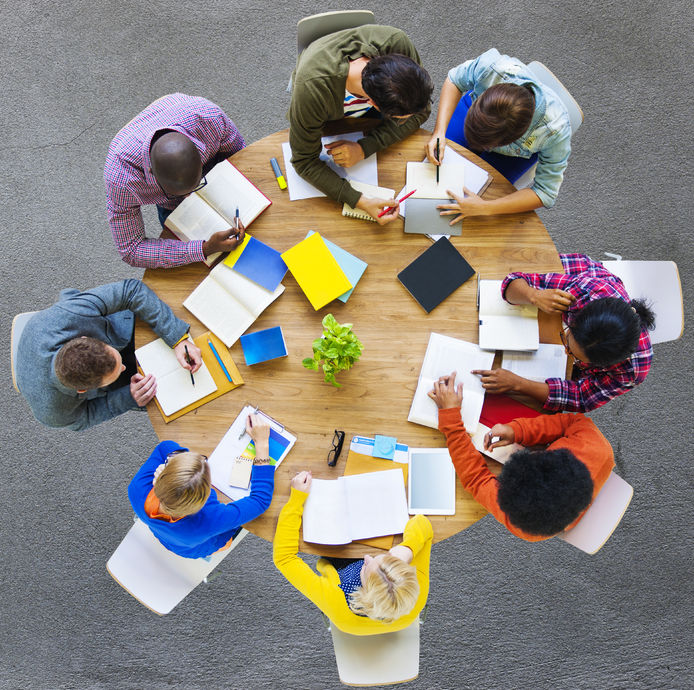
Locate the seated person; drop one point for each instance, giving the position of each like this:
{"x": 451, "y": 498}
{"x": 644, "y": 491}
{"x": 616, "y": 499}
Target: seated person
{"x": 376, "y": 594}
{"x": 539, "y": 493}
{"x": 347, "y": 74}
{"x": 512, "y": 114}
{"x": 605, "y": 333}
{"x": 159, "y": 157}
{"x": 75, "y": 360}
{"x": 171, "y": 493}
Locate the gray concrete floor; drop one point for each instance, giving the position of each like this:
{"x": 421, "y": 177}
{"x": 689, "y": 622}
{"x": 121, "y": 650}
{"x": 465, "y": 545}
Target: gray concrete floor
{"x": 502, "y": 613}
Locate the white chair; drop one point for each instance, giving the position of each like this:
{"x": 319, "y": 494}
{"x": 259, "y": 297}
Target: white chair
{"x": 602, "y": 517}
{"x": 158, "y": 578}
{"x": 377, "y": 659}
{"x": 310, "y": 28}
{"x": 658, "y": 283}
{"x": 18, "y": 324}
{"x": 546, "y": 77}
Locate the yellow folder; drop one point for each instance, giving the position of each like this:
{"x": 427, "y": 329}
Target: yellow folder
{"x": 316, "y": 271}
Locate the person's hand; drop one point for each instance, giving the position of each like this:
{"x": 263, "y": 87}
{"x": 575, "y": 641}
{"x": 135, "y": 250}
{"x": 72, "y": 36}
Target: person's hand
{"x": 498, "y": 380}
{"x": 258, "y": 428}
{"x": 552, "y": 300}
{"x": 374, "y": 206}
{"x": 224, "y": 240}
{"x": 302, "y": 482}
{"x": 505, "y": 434}
{"x": 431, "y": 149}
{"x": 193, "y": 353}
{"x": 345, "y": 153}
{"x": 143, "y": 388}
{"x": 445, "y": 393}
{"x": 469, "y": 204}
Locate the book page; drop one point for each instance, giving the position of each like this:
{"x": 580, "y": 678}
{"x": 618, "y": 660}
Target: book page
{"x": 549, "y": 362}
{"x": 253, "y": 297}
{"x": 444, "y": 355}
{"x": 422, "y": 177}
{"x": 503, "y": 325}
{"x": 227, "y": 189}
{"x": 157, "y": 358}
{"x": 501, "y": 453}
{"x": 475, "y": 177}
{"x": 493, "y": 304}
{"x": 325, "y": 513}
{"x": 193, "y": 219}
{"x": 376, "y": 503}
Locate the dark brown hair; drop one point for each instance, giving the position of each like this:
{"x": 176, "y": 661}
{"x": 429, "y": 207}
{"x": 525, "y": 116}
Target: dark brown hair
{"x": 499, "y": 116}
{"x": 82, "y": 363}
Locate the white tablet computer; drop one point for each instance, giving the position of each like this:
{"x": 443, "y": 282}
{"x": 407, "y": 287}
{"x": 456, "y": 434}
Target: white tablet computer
{"x": 431, "y": 482}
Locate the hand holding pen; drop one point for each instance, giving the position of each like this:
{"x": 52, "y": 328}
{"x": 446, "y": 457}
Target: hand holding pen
{"x": 225, "y": 240}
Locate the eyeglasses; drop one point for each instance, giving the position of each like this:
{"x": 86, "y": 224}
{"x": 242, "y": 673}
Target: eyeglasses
{"x": 200, "y": 185}
{"x": 564, "y": 341}
{"x": 178, "y": 452}
{"x": 334, "y": 452}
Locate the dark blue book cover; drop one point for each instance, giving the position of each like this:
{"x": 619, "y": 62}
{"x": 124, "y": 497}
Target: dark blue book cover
{"x": 263, "y": 345}
{"x": 262, "y": 264}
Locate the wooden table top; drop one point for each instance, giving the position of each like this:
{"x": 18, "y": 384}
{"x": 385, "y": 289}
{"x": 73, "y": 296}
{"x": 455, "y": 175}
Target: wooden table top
{"x": 377, "y": 393}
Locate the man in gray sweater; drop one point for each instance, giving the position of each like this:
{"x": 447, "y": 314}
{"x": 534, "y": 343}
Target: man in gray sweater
{"x": 75, "y": 361}
{"x": 347, "y": 74}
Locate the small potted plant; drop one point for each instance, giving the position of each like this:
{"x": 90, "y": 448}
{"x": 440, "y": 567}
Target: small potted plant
{"x": 337, "y": 350}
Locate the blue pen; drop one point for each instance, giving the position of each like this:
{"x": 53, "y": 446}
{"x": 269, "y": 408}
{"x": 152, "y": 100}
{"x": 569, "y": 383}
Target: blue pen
{"x": 236, "y": 222}
{"x": 219, "y": 359}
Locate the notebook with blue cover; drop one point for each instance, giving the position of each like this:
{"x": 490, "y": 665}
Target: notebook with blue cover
{"x": 261, "y": 346}
{"x": 262, "y": 264}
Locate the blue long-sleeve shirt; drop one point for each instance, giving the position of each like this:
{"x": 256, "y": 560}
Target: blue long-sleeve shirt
{"x": 199, "y": 535}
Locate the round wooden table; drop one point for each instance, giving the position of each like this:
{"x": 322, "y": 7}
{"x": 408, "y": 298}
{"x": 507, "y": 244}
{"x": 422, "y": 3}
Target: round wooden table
{"x": 376, "y": 394}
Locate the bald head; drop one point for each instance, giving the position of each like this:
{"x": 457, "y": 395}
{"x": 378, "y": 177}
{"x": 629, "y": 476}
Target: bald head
{"x": 176, "y": 163}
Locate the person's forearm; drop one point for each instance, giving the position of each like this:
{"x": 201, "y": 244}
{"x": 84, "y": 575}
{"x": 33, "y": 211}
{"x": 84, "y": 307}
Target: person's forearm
{"x": 517, "y": 202}
{"x": 519, "y": 292}
{"x": 537, "y": 390}
{"x": 448, "y": 102}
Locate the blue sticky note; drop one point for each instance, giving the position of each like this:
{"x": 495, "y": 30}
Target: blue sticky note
{"x": 262, "y": 264}
{"x": 352, "y": 267}
{"x": 263, "y": 345}
{"x": 384, "y": 447}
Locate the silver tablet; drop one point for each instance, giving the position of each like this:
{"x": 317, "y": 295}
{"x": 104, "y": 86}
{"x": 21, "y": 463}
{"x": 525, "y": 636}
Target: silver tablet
{"x": 431, "y": 482}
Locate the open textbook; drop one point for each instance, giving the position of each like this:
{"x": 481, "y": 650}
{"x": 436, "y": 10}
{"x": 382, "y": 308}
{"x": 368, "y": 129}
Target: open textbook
{"x": 505, "y": 326}
{"x": 213, "y": 208}
{"x": 359, "y": 506}
{"x": 548, "y": 362}
{"x": 444, "y": 355}
{"x": 228, "y": 302}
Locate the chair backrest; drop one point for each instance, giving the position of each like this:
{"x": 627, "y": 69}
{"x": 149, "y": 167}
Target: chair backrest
{"x": 158, "y": 578}
{"x": 310, "y": 28}
{"x": 546, "y": 77}
{"x": 377, "y": 659}
{"x": 18, "y": 324}
{"x": 602, "y": 517}
{"x": 658, "y": 283}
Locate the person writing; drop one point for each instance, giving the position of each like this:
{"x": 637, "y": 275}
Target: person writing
{"x": 369, "y": 596}
{"x": 171, "y": 493}
{"x": 604, "y": 332}
{"x": 363, "y": 71}
{"x": 511, "y": 113}
{"x": 539, "y": 493}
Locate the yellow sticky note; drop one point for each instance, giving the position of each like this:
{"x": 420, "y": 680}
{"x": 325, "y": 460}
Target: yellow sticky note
{"x": 315, "y": 269}
{"x": 235, "y": 253}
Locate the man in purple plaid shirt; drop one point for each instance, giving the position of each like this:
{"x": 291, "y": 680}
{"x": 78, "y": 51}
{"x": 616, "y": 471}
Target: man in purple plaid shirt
{"x": 604, "y": 332}
{"x": 159, "y": 158}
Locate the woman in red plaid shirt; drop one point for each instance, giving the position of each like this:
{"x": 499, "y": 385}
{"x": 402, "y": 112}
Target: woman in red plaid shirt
{"x": 603, "y": 331}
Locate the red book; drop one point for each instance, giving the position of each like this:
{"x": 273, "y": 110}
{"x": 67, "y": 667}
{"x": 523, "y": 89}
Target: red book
{"x": 500, "y": 409}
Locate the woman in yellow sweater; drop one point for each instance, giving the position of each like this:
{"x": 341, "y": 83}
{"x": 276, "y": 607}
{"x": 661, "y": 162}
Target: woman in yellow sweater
{"x": 378, "y": 594}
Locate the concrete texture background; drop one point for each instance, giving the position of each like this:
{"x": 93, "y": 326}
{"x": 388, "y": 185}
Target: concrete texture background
{"x": 502, "y": 613}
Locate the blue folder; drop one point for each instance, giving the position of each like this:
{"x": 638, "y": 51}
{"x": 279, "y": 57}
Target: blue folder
{"x": 263, "y": 345}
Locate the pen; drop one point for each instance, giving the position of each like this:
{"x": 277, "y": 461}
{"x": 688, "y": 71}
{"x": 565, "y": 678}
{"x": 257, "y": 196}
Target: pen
{"x": 219, "y": 359}
{"x": 278, "y": 173}
{"x": 438, "y": 159}
{"x": 236, "y": 221}
{"x": 190, "y": 361}
{"x": 478, "y": 292}
{"x": 390, "y": 208}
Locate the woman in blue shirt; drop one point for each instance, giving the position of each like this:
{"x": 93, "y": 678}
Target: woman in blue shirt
{"x": 513, "y": 114}
{"x": 171, "y": 494}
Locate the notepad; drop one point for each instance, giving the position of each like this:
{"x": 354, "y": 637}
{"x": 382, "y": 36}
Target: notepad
{"x": 504, "y": 326}
{"x": 443, "y": 356}
{"x": 548, "y": 362}
{"x": 422, "y": 177}
{"x": 259, "y": 262}
{"x": 175, "y": 390}
{"x": 261, "y": 346}
{"x": 316, "y": 271}
{"x": 368, "y": 190}
{"x": 435, "y": 274}
{"x": 352, "y": 267}
{"x": 500, "y": 453}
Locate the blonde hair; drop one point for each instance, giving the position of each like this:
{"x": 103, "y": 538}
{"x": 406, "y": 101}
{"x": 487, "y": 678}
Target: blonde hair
{"x": 389, "y": 592}
{"x": 183, "y": 486}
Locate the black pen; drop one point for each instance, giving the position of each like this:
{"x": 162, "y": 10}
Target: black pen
{"x": 478, "y": 291}
{"x": 190, "y": 361}
{"x": 438, "y": 159}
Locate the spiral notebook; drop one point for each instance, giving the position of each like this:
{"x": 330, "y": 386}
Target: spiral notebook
{"x": 371, "y": 191}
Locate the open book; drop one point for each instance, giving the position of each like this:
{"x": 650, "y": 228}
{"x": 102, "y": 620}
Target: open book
{"x": 359, "y": 506}
{"x": 213, "y": 208}
{"x": 174, "y": 387}
{"x": 228, "y": 302}
{"x": 505, "y": 326}
{"x": 444, "y": 355}
{"x": 548, "y": 362}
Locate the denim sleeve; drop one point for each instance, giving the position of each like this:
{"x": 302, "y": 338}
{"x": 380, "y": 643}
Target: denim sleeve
{"x": 551, "y": 163}
{"x": 465, "y": 76}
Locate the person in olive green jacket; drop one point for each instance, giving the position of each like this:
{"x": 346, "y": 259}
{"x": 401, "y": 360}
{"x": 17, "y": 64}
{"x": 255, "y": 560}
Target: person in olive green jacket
{"x": 347, "y": 74}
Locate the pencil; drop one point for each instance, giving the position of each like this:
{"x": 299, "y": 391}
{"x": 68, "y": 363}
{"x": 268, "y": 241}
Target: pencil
{"x": 219, "y": 360}
{"x": 390, "y": 208}
{"x": 438, "y": 159}
{"x": 190, "y": 361}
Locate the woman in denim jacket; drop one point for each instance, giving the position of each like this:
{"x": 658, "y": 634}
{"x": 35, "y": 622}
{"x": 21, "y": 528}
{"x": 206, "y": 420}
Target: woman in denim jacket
{"x": 510, "y": 113}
